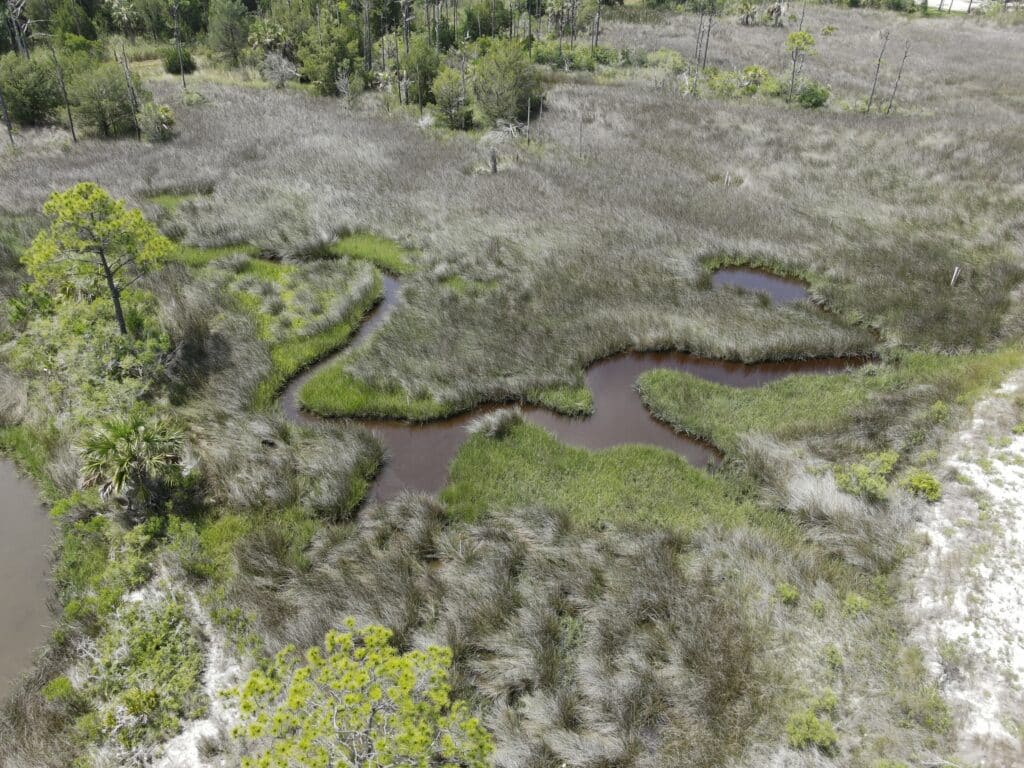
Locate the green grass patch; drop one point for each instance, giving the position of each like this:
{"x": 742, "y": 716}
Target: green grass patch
{"x": 291, "y": 356}
{"x": 803, "y": 406}
{"x": 627, "y": 485}
{"x": 379, "y": 251}
{"x": 205, "y": 547}
{"x": 335, "y": 392}
{"x": 466, "y": 287}
{"x": 271, "y": 271}
{"x": 193, "y": 256}
{"x": 171, "y": 201}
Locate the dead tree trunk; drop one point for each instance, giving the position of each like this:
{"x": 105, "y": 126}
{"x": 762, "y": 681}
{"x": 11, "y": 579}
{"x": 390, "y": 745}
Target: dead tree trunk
{"x": 7, "y": 117}
{"x": 899, "y": 75}
{"x": 405, "y": 24}
{"x": 367, "y": 39}
{"x": 59, "y": 71}
{"x": 176, "y": 8}
{"x": 878, "y": 68}
{"x": 15, "y": 8}
{"x": 696, "y": 52}
{"x": 529, "y": 105}
{"x": 132, "y": 97}
{"x": 581, "y": 136}
{"x": 707, "y": 38}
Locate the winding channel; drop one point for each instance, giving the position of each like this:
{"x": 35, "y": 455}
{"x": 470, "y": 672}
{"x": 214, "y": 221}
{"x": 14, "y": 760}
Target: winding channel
{"x": 25, "y": 534}
{"x": 418, "y": 454}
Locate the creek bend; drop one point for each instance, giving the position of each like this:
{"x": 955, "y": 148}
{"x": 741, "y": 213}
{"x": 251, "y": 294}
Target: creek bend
{"x": 25, "y": 536}
{"x": 418, "y": 453}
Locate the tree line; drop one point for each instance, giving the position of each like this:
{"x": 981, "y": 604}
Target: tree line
{"x": 473, "y": 59}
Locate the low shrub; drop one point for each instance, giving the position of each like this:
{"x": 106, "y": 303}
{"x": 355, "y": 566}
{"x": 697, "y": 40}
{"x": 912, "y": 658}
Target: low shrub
{"x": 922, "y": 483}
{"x": 505, "y": 82}
{"x": 175, "y": 64}
{"x": 30, "y": 89}
{"x": 366, "y": 692}
{"x": 665, "y": 59}
{"x": 453, "y": 100}
{"x": 939, "y": 412}
{"x": 805, "y": 730}
{"x": 278, "y": 71}
{"x": 62, "y": 692}
{"x": 827, "y": 702}
{"x": 812, "y": 95}
{"x": 156, "y": 121}
{"x": 787, "y": 593}
{"x": 854, "y": 604}
{"x": 869, "y": 478}
{"x": 833, "y": 657}
{"x": 145, "y": 675}
{"x": 579, "y": 58}
{"x": 918, "y": 697}
{"x": 103, "y": 102}
{"x": 724, "y": 83}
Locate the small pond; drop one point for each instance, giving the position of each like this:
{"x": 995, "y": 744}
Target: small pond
{"x": 781, "y": 290}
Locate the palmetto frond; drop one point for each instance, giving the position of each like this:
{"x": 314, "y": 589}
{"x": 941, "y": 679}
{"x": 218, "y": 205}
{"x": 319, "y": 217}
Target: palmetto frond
{"x": 124, "y": 453}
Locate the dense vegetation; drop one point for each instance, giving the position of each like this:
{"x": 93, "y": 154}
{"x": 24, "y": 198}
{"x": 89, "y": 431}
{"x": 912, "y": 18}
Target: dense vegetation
{"x": 549, "y": 184}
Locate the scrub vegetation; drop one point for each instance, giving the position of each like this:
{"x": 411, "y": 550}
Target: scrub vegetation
{"x": 539, "y": 187}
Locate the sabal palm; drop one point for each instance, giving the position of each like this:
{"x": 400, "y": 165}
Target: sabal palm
{"x": 126, "y": 454}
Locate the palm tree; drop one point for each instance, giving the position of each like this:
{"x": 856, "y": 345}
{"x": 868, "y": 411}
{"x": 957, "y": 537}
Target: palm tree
{"x": 128, "y": 457}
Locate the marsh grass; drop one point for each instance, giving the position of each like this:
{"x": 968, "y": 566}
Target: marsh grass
{"x": 541, "y": 620}
{"x": 597, "y": 644}
{"x": 631, "y": 485}
{"x": 288, "y": 358}
{"x": 193, "y": 256}
{"x": 379, "y": 251}
{"x": 920, "y": 196}
{"x": 290, "y": 355}
{"x": 612, "y": 608}
{"x": 876, "y": 405}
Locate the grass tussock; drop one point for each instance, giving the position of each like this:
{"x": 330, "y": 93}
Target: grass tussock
{"x": 596, "y": 647}
{"x": 496, "y": 424}
{"x": 545, "y": 624}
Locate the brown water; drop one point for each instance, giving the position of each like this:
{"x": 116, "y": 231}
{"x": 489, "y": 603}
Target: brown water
{"x": 25, "y": 533}
{"x": 781, "y": 290}
{"x": 418, "y": 455}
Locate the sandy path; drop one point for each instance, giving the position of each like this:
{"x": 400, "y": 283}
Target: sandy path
{"x": 967, "y": 585}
